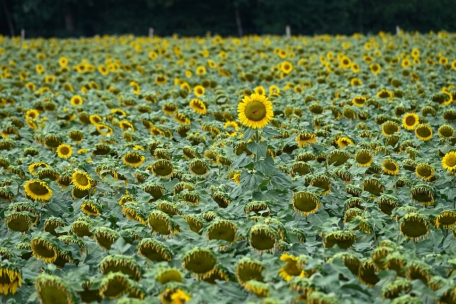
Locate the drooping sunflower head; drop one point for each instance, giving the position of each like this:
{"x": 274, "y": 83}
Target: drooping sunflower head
{"x": 249, "y": 269}
{"x": 10, "y": 278}
{"x": 373, "y": 186}
{"x": 199, "y": 261}
{"x": 263, "y": 238}
{"x": 134, "y": 159}
{"x": 81, "y": 227}
{"x": 162, "y": 168}
{"x": 423, "y": 132}
{"x": 395, "y": 288}
{"x": 292, "y": 268}
{"x": 359, "y": 101}
{"x": 367, "y": 273}
{"x": 343, "y": 239}
{"x": 222, "y": 230}
{"x": 154, "y": 250}
{"x": 33, "y": 167}
{"x": 343, "y": 142}
{"x": 43, "y": 249}
{"x": 305, "y": 138}
{"x": 259, "y": 208}
{"x": 160, "y": 222}
{"x": 387, "y": 203}
{"x": 414, "y": 226}
{"x": 410, "y": 121}
{"x": 198, "y": 106}
{"x": 305, "y": 203}
{"x": 91, "y": 208}
{"x": 418, "y": 270}
{"x": 169, "y": 275}
{"x": 105, "y": 237}
{"x": 114, "y": 285}
{"x": 390, "y": 167}
{"x": 364, "y": 158}
{"x": 323, "y": 182}
{"x": 389, "y": 128}
{"x": 81, "y": 180}
{"x": 423, "y": 194}
{"x": 37, "y": 190}
{"x": 424, "y": 171}
{"x": 446, "y": 219}
{"x": 19, "y": 221}
{"x": 52, "y": 289}
{"x": 255, "y": 111}
{"x": 259, "y": 289}
{"x": 6, "y": 194}
{"x": 446, "y": 131}
{"x": 198, "y": 168}
{"x": 119, "y": 263}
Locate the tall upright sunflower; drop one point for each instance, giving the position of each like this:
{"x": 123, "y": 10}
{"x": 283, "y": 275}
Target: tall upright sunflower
{"x": 255, "y": 111}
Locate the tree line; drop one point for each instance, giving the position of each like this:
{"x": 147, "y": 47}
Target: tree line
{"x": 73, "y": 18}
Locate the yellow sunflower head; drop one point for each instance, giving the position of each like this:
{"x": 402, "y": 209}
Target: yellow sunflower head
{"x": 64, "y": 151}
{"x": 37, "y": 190}
{"x": 76, "y": 100}
{"x": 410, "y": 121}
{"x": 81, "y": 180}
{"x": 449, "y": 161}
{"x": 255, "y": 111}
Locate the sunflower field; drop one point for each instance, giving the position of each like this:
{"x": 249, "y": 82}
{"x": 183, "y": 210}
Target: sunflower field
{"x": 260, "y": 169}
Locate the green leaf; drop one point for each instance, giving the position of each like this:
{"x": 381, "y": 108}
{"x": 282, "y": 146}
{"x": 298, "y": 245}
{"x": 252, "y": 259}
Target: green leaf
{"x": 248, "y": 133}
{"x": 258, "y": 149}
{"x": 265, "y": 166}
{"x": 280, "y": 180}
{"x": 242, "y": 161}
{"x": 250, "y": 181}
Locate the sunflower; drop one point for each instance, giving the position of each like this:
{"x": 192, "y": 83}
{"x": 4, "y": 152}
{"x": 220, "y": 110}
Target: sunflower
{"x": 81, "y": 180}
{"x": 104, "y": 129}
{"x": 263, "y": 238}
{"x": 180, "y": 297}
{"x": 375, "y": 68}
{"x": 133, "y": 159}
{"x": 64, "y": 151}
{"x": 410, "y": 121}
{"x": 343, "y": 142}
{"x": 389, "y": 128}
{"x": 364, "y": 158}
{"x": 292, "y": 268}
{"x": 446, "y": 131}
{"x": 423, "y": 132}
{"x": 126, "y": 126}
{"x": 161, "y": 79}
{"x": 199, "y": 261}
{"x": 199, "y": 90}
{"x": 154, "y": 250}
{"x": 169, "y": 275}
{"x": 198, "y": 106}
{"x": 114, "y": 285}
{"x": 359, "y": 101}
{"x": 119, "y": 263}
{"x": 52, "y": 289}
{"x": 255, "y": 111}
{"x": 286, "y": 67}
{"x": 261, "y": 290}
{"x": 37, "y": 190}
{"x": 160, "y": 222}
{"x": 305, "y": 203}
{"x": 162, "y": 168}
{"x": 424, "y": 171}
{"x": 446, "y": 219}
{"x": 414, "y": 226}
{"x": 91, "y": 208}
{"x": 343, "y": 239}
{"x": 76, "y": 100}
{"x": 43, "y": 249}
{"x": 10, "y": 278}
{"x": 390, "y": 167}
{"x": 449, "y": 161}
{"x": 305, "y": 138}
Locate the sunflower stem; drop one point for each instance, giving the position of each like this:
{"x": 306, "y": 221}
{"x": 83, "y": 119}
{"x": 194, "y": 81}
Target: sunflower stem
{"x": 257, "y": 140}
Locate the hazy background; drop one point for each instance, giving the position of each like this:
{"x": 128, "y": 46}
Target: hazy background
{"x": 74, "y": 18}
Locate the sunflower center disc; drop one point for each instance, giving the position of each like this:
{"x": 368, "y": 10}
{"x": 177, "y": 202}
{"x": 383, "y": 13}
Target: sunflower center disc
{"x": 255, "y": 111}
{"x": 451, "y": 161}
{"x": 410, "y": 121}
